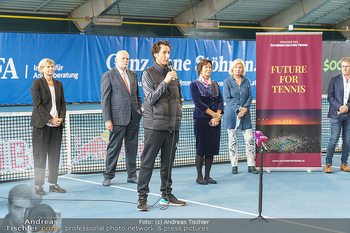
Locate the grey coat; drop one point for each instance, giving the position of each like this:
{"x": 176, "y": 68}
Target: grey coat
{"x": 118, "y": 105}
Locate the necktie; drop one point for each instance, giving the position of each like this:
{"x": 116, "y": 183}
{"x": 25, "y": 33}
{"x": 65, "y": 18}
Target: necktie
{"x": 126, "y": 83}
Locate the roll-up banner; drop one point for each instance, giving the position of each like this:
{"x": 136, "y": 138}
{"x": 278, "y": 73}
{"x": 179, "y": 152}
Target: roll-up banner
{"x": 82, "y": 59}
{"x": 289, "y": 99}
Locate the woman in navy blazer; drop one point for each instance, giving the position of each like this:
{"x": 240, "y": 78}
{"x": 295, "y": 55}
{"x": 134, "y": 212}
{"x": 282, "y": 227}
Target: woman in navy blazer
{"x": 238, "y": 97}
{"x": 208, "y": 103}
{"x": 49, "y": 111}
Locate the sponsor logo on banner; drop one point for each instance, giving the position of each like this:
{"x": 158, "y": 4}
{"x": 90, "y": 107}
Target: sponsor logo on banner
{"x": 15, "y": 154}
{"x": 7, "y": 68}
{"x": 96, "y": 149}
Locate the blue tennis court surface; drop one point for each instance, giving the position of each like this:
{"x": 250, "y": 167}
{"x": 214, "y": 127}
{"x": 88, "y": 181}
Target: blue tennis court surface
{"x": 299, "y": 195}
{"x": 301, "y": 201}
{"x": 285, "y": 195}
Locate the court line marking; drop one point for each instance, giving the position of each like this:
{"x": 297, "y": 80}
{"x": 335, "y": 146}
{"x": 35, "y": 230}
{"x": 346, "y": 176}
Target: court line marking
{"x": 213, "y": 206}
{"x": 158, "y": 195}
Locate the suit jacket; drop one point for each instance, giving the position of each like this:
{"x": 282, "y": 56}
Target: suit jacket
{"x": 204, "y": 98}
{"x": 42, "y": 102}
{"x": 336, "y": 96}
{"x": 118, "y": 105}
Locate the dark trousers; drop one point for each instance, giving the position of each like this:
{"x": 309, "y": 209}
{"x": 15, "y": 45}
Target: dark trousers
{"x": 130, "y": 135}
{"x": 46, "y": 144}
{"x": 154, "y": 141}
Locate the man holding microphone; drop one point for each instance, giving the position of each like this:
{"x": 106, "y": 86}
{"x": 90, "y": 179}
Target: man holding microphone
{"x": 162, "y": 119}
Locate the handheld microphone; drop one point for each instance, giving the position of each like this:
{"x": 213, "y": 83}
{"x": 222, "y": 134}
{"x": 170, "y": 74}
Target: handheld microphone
{"x": 260, "y": 139}
{"x": 170, "y": 66}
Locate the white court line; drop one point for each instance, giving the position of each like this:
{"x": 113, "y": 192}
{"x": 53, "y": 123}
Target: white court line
{"x": 158, "y": 195}
{"x": 213, "y": 206}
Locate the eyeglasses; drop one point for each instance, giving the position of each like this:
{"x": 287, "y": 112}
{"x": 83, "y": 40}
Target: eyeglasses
{"x": 345, "y": 66}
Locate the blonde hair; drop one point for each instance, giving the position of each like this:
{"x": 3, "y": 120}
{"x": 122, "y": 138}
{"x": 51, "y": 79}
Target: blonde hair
{"x": 345, "y": 59}
{"x": 44, "y": 62}
{"x": 234, "y": 63}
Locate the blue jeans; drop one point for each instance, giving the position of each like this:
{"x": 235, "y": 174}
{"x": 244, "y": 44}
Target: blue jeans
{"x": 336, "y": 125}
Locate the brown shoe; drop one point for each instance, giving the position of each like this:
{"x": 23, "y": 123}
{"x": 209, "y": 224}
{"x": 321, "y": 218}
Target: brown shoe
{"x": 328, "y": 169}
{"x": 344, "y": 168}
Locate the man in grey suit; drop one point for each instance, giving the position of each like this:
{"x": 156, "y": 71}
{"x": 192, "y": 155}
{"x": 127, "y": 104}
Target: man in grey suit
{"x": 121, "y": 112}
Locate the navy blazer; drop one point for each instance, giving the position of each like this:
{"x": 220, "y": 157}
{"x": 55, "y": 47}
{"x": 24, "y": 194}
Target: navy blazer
{"x": 204, "y": 98}
{"x": 336, "y": 96}
{"x": 118, "y": 105}
{"x": 42, "y": 102}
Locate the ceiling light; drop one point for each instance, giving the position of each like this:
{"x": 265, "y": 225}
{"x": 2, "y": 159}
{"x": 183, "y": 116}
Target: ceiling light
{"x": 207, "y": 24}
{"x": 104, "y": 20}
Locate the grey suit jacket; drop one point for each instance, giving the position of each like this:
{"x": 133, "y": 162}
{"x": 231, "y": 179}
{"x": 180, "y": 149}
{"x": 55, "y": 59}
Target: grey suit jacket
{"x": 42, "y": 102}
{"x": 118, "y": 105}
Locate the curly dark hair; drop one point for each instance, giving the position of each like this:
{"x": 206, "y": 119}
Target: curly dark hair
{"x": 202, "y": 63}
{"x": 156, "y": 47}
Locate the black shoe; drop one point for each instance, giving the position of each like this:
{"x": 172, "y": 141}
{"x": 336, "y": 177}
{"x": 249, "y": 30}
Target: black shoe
{"x": 107, "y": 182}
{"x": 56, "y": 188}
{"x": 251, "y": 169}
{"x": 201, "y": 181}
{"x": 234, "y": 170}
{"x": 142, "y": 204}
{"x": 170, "y": 199}
{"x": 39, "y": 190}
{"x": 133, "y": 180}
{"x": 211, "y": 181}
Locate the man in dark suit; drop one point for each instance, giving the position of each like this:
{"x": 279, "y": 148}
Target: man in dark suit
{"x": 339, "y": 104}
{"x": 121, "y": 111}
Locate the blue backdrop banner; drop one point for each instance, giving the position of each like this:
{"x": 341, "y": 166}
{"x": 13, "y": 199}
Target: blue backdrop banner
{"x": 82, "y": 59}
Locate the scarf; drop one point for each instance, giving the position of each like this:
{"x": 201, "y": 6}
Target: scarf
{"x": 206, "y": 83}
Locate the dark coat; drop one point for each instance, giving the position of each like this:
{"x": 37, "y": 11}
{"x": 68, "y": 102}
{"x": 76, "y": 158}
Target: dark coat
{"x": 336, "y": 96}
{"x": 162, "y": 101}
{"x": 42, "y": 102}
{"x": 204, "y": 98}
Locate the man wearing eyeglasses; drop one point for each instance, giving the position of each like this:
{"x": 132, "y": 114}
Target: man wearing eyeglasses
{"x": 339, "y": 104}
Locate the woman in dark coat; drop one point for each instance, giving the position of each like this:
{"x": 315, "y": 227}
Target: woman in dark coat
{"x": 208, "y": 103}
{"x": 49, "y": 111}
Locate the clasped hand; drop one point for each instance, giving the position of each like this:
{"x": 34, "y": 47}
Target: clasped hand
{"x": 216, "y": 120}
{"x": 242, "y": 112}
{"x": 56, "y": 122}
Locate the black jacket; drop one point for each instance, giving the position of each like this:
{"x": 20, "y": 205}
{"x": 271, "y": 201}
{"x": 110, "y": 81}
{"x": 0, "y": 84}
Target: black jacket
{"x": 42, "y": 102}
{"x": 162, "y": 101}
